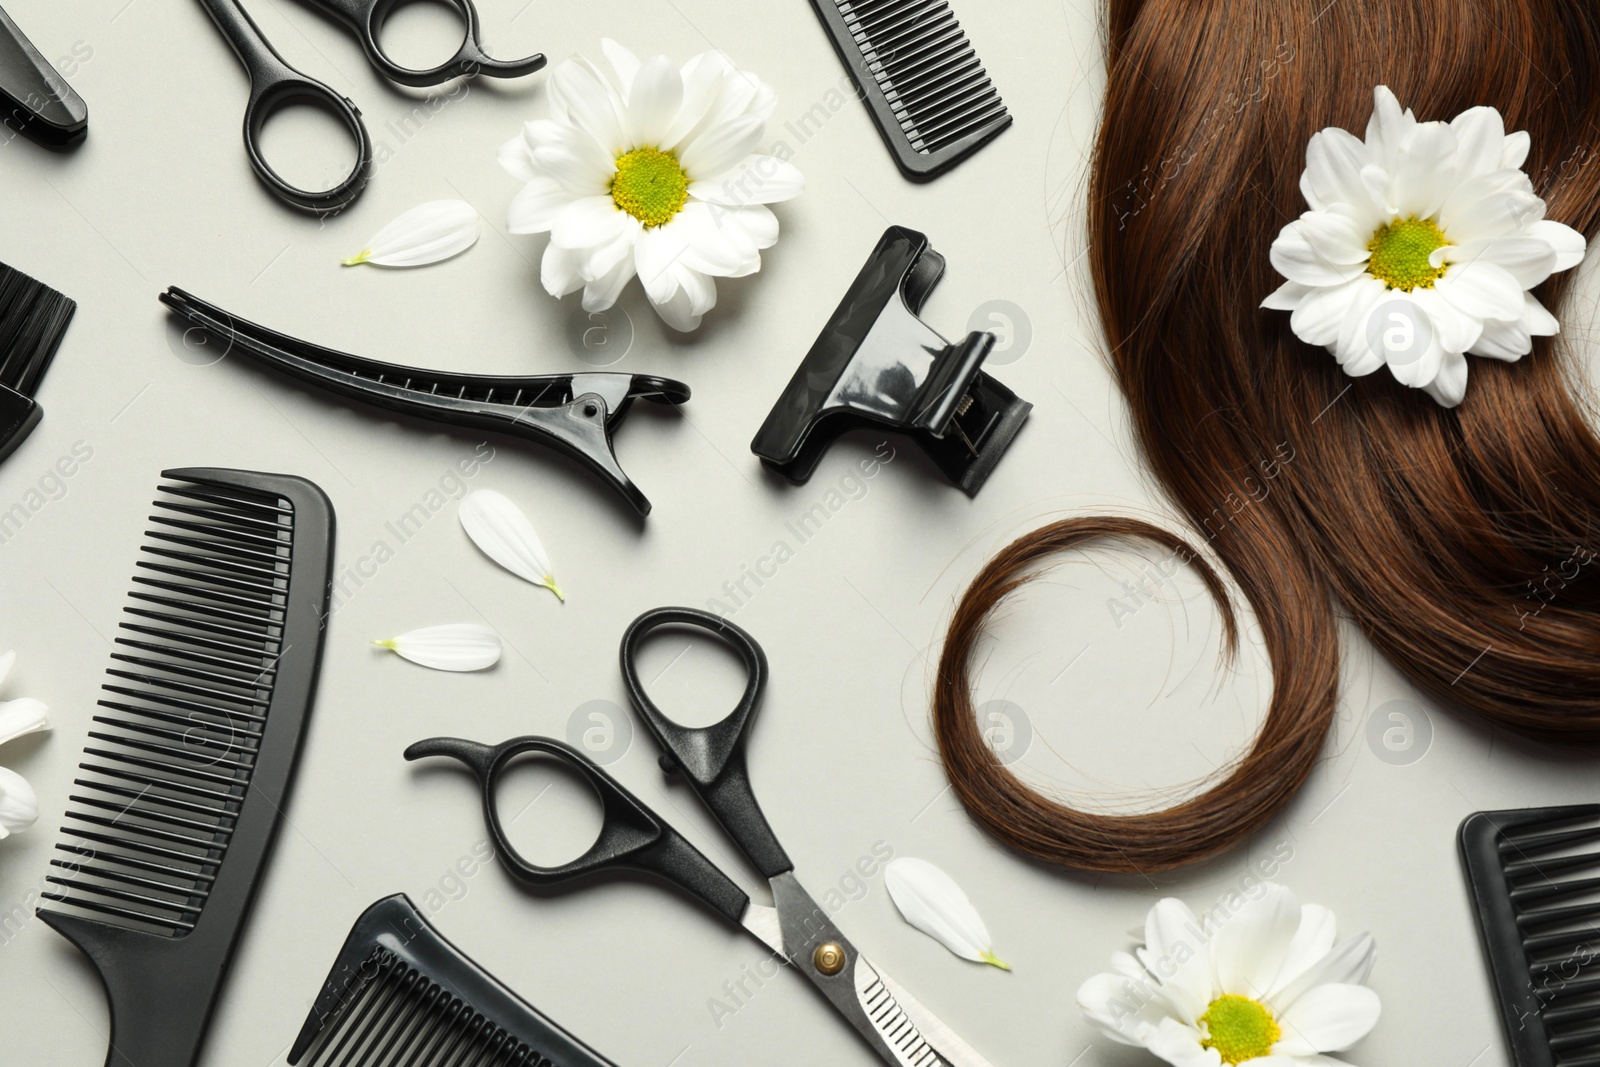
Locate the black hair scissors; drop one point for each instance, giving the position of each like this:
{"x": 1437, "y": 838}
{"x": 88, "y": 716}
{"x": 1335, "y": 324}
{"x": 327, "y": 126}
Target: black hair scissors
{"x": 274, "y": 84}
{"x": 632, "y": 837}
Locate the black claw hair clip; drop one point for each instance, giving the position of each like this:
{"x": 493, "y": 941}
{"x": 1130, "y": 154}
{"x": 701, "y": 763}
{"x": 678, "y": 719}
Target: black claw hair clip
{"x": 876, "y": 364}
{"x": 575, "y": 414}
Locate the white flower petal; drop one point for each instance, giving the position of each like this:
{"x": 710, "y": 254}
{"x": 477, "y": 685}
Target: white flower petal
{"x": 588, "y": 222}
{"x": 504, "y": 534}
{"x": 589, "y": 103}
{"x": 1329, "y": 1018}
{"x": 1251, "y": 946}
{"x": 1176, "y": 951}
{"x": 1312, "y": 942}
{"x": 1456, "y": 331}
{"x": 1480, "y": 140}
{"x": 720, "y": 148}
{"x": 1497, "y": 204}
{"x": 24, "y": 716}
{"x": 1449, "y": 384}
{"x": 581, "y": 171}
{"x": 1569, "y": 244}
{"x": 654, "y": 103}
{"x": 1120, "y": 1006}
{"x": 1508, "y": 341}
{"x": 1317, "y": 319}
{"x": 757, "y": 179}
{"x": 931, "y": 901}
{"x": 601, "y": 292}
{"x": 1296, "y": 258}
{"x": 1425, "y": 177}
{"x": 1180, "y": 1046}
{"x": 702, "y": 83}
{"x": 1536, "y": 319}
{"x": 1354, "y": 350}
{"x": 1348, "y": 963}
{"x": 1514, "y": 152}
{"x": 536, "y": 205}
{"x": 452, "y": 647}
{"x": 428, "y": 233}
{"x": 1529, "y": 260}
{"x": 1418, "y": 369}
{"x": 624, "y": 62}
{"x": 1334, "y": 159}
{"x": 1287, "y": 296}
{"x": 1389, "y": 128}
{"x": 19, "y": 807}
{"x": 1481, "y": 289}
{"x": 559, "y": 270}
{"x": 517, "y": 158}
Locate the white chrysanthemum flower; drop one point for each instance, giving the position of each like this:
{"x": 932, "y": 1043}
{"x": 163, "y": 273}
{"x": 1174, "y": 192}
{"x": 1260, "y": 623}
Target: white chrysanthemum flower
{"x": 19, "y": 808}
{"x": 1258, "y": 982}
{"x": 1421, "y": 245}
{"x": 649, "y": 169}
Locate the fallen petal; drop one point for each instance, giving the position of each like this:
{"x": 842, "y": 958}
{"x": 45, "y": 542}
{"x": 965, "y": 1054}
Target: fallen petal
{"x": 453, "y": 647}
{"x": 427, "y": 234}
{"x": 503, "y": 532}
{"x": 931, "y": 901}
{"x": 25, "y": 716}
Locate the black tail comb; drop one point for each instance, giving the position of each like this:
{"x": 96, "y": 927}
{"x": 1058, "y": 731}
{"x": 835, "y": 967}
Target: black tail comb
{"x": 185, "y": 777}
{"x": 400, "y": 994}
{"x": 33, "y": 319}
{"x": 1535, "y": 881}
{"x": 573, "y": 413}
{"x": 922, "y": 82}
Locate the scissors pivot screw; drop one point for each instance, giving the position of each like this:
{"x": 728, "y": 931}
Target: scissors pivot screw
{"x": 829, "y": 958}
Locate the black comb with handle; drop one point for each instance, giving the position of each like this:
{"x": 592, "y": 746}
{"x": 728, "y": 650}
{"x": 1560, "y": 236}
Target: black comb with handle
{"x": 1535, "y": 880}
{"x": 922, "y": 82}
{"x": 185, "y": 775}
{"x": 400, "y": 994}
{"x": 33, "y": 318}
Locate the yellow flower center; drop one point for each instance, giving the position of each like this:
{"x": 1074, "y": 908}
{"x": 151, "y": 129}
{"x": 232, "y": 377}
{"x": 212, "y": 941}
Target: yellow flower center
{"x": 1239, "y": 1029}
{"x": 1400, "y": 253}
{"x": 650, "y": 185}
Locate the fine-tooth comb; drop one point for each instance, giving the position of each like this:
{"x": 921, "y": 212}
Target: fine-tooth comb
{"x": 921, "y": 80}
{"x": 575, "y": 414}
{"x": 33, "y": 319}
{"x": 1535, "y": 881}
{"x": 400, "y": 994}
{"x": 183, "y": 784}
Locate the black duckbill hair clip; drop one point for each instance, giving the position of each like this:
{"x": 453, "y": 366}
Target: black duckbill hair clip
{"x": 878, "y": 365}
{"x": 576, "y": 414}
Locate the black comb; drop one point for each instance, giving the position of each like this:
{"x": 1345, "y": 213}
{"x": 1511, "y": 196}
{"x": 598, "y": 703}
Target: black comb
{"x": 924, "y": 85}
{"x": 33, "y": 318}
{"x": 399, "y": 993}
{"x": 184, "y": 779}
{"x": 575, "y": 414}
{"x": 1535, "y": 881}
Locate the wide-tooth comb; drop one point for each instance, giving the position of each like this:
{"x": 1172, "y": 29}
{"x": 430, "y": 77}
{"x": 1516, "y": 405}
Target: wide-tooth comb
{"x": 924, "y": 85}
{"x": 1535, "y": 881}
{"x": 185, "y": 777}
{"x": 33, "y": 319}
{"x": 399, "y": 993}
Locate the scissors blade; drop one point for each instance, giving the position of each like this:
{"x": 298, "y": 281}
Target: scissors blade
{"x": 897, "y": 1027}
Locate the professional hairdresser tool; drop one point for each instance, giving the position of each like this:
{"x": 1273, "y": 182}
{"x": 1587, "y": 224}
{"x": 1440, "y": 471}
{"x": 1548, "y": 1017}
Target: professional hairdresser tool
{"x": 183, "y": 785}
{"x": 573, "y": 413}
{"x": 38, "y": 102}
{"x": 33, "y": 318}
{"x": 275, "y": 85}
{"x": 877, "y": 365}
{"x": 632, "y": 837}
{"x": 922, "y": 82}
{"x": 1533, "y": 874}
{"x": 399, "y": 993}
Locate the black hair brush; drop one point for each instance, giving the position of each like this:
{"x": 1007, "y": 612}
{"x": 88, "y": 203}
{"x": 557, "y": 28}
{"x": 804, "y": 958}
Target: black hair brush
{"x": 400, "y": 994}
{"x": 184, "y": 778}
{"x": 33, "y": 318}
{"x": 1535, "y": 881}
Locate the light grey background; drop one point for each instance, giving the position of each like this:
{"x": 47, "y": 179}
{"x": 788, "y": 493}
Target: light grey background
{"x": 1116, "y": 701}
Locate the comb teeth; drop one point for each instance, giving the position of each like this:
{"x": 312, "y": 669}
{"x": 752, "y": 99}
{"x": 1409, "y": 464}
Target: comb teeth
{"x": 33, "y": 318}
{"x": 394, "y": 1014}
{"x": 932, "y": 99}
{"x": 1535, "y": 877}
{"x": 166, "y": 771}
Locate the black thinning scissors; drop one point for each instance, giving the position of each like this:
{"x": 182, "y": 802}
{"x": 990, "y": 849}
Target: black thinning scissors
{"x": 632, "y": 837}
{"x": 274, "y": 84}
